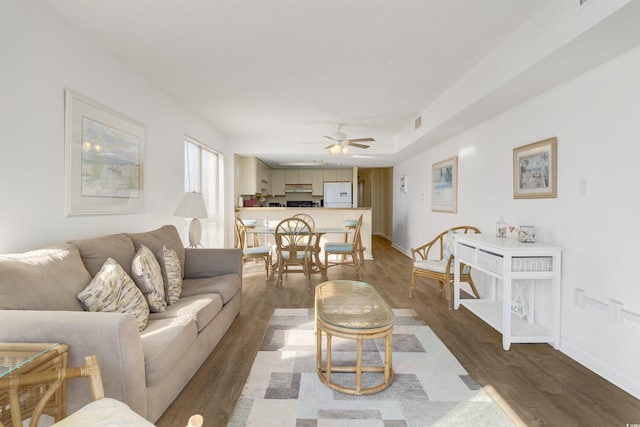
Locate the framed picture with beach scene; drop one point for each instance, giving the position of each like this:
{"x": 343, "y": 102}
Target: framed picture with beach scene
{"x": 104, "y": 159}
{"x": 444, "y": 186}
{"x": 535, "y": 170}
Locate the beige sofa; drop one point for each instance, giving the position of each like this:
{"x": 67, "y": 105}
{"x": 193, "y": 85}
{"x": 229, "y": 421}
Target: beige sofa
{"x": 146, "y": 370}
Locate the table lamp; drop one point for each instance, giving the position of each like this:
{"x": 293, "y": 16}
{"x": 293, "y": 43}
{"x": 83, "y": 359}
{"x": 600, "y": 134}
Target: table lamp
{"x": 192, "y": 206}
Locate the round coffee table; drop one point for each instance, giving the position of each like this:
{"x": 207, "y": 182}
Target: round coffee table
{"x": 352, "y": 310}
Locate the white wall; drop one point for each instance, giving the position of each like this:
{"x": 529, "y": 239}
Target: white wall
{"x": 41, "y": 56}
{"x": 595, "y": 118}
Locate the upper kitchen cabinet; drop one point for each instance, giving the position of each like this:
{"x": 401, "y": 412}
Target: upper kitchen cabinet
{"x": 254, "y": 176}
{"x": 278, "y": 182}
{"x": 338, "y": 175}
{"x": 317, "y": 182}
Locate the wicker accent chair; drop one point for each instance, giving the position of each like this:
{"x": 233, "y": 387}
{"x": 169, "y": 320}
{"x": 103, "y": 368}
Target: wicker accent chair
{"x": 441, "y": 268}
{"x": 254, "y": 252}
{"x": 349, "y": 253}
{"x": 294, "y": 239}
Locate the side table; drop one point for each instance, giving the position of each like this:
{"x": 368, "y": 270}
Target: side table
{"x": 28, "y": 358}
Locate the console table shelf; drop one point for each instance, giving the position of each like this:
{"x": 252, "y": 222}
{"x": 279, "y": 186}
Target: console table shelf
{"x": 509, "y": 260}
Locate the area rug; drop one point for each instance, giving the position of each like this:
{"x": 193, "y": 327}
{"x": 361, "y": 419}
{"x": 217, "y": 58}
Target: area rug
{"x": 430, "y": 387}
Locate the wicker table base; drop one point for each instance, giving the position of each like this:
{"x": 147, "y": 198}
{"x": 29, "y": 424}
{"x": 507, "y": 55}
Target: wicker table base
{"x": 352, "y": 310}
{"x": 28, "y": 358}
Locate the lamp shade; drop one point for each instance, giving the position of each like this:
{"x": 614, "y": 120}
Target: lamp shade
{"x": 191, "y": 206}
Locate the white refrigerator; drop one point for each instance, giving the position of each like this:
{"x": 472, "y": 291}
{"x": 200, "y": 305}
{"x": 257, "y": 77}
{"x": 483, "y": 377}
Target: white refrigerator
{"x": 337, "y": 195}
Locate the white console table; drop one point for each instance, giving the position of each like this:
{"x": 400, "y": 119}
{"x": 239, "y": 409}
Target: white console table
{"x": 509, "y": 260}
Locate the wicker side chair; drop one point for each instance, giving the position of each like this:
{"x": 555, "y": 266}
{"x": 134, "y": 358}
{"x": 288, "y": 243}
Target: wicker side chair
{"x": 254, "y": 252}
{"x": 294, "y": 240}
{"x": 348, "y": 253}
{"x": 435, "y": 260}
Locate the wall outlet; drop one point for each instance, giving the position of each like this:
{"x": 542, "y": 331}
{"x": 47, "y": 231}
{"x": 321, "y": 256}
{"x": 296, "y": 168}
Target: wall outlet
{"x": 615, "y": 311}
{"x": 578, "y": 297}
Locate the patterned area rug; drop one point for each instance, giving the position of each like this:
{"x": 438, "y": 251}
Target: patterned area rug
{"x": 430, "y": 387}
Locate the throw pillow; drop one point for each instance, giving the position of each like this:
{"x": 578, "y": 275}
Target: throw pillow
{"x": 112, "y": 290}
{"x": 171, "y": 274}
{"x": 145, "y": 271}
{"x": 448, "y": 245}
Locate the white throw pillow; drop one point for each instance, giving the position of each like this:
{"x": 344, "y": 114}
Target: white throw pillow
{"x": 171, "y": 274}
{"x": 146, "y": 272}
{"x": 112, "y": 290}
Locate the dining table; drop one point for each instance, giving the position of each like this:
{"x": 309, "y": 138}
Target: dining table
{"x": 318, "y": 232}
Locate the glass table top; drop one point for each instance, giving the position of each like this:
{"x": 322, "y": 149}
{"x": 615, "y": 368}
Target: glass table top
{"x": 351, "y": 304}
{"x": 14, "y": 357}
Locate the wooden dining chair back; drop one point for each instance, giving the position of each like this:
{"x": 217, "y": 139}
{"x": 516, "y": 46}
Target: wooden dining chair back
{"x": 435, "y": 260}
{"x": 307, "y": 218}
{"x": 345, "y": 253}
{"x": 294, "y": 240}
{"x": 253, "y": 252}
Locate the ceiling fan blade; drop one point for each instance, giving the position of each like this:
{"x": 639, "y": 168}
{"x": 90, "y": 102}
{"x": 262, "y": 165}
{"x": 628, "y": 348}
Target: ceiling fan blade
{"x": 331, "y": 138}
{"x": 326, "y": 148}
{"x": 361, "y": 140}
{"x": 352, "y": 144}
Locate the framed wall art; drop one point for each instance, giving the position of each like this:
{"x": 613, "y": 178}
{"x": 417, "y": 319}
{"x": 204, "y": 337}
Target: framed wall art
{"x": 104, "y": 159}
{"x": 535, "y": 170}
{"x": 444, "y": 181}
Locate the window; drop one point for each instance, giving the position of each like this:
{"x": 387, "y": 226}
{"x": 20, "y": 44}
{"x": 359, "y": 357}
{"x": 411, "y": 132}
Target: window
{"x": 203, "y": 172}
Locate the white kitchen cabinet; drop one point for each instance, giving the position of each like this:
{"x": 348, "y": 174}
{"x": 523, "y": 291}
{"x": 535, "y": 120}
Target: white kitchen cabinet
{"x": 305, "y": 176}
{"x": 278, "y": 182}
{"x": 317, "y": 182}
{"x": 291, "y": 176}
{"x": 329, "y": 175}
{"x": 254, "y": 176}
{"x": 344, "y": 175}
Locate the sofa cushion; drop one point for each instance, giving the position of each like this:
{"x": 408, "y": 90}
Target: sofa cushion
{"x": 145, "y": 272}
{"x": 44, "y": 279}
{"x": 201, "y": 308}
{"x": 94, "y": 252}
{"x": 164, "y": 236}
{"x": 164, "y": 342}
{"x": 171, "y": 274}
{"x": 227, "y": 285}
{"x": 112, "y": 290}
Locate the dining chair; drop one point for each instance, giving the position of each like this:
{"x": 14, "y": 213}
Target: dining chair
{"x": 307, "y": 218}
{"x": 294, "y": 239}
{"x": 254, "y": 252}
{"x": 348, "y": 253}
{"x": 435, "y": 260}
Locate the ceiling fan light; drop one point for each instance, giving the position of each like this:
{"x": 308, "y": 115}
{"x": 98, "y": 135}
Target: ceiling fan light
{"x": 345, "y": 149}
{"x": 335, "y": 149}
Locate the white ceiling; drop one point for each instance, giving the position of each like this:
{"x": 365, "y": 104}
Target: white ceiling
{"x": 288, "y": 71}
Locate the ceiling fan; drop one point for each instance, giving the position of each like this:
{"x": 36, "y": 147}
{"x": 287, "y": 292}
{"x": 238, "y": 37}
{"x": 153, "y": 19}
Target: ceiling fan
{"x": 342, "y": 143}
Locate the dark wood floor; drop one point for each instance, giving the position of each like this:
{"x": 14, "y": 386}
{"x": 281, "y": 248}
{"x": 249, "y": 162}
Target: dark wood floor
{"x": 533, "y": 383}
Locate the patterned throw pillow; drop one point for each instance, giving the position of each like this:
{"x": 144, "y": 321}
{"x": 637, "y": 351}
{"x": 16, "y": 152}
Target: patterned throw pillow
{"x": 145, "y": 271}
{"x": 448, "y": 245}
{"x": 171, "y": 274}
{"x": 112, "y": 290}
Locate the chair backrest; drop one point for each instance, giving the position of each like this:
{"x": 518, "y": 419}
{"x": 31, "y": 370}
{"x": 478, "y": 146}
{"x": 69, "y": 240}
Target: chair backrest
{"x": 293, "y": 237}
{"x": 241, "y": 234}
{"x": 357, "y": 239}
{"x": 446, "y": 239}
{"x": 307, "y": 218}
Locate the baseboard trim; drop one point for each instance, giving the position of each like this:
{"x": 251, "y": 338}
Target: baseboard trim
{"x": 606, "y": 371}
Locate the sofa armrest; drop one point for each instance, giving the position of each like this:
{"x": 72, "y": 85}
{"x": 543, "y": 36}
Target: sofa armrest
{"x": 201, "y": 263}
{"x": 112, "y": 337}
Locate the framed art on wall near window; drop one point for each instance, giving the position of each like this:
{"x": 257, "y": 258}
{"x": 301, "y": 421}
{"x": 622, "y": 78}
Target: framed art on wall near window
{"x": 444, "y": 186}
{"x": 535, "y": 170}
{"x": 104, "y": 159}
